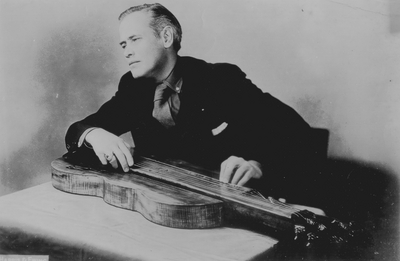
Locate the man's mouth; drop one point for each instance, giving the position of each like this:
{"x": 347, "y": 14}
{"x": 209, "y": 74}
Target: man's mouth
{"x": 134, "y": 62}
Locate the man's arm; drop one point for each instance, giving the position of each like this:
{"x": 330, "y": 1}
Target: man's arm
{"x": 270, "y": 137}
{"x": 100, "y": 132}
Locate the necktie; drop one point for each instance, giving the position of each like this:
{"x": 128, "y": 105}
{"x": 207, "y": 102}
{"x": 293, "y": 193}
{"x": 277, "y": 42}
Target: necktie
{"x": 162, "y": 109}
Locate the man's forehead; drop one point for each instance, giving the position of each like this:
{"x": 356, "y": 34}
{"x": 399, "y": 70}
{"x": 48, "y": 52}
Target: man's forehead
{"x": 136, "y": 21}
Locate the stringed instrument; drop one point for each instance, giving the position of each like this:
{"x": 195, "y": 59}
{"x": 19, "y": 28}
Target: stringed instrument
{"x": 176, "y": 197}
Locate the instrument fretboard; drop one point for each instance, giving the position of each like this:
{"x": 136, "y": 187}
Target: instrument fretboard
{"x": 210, "y": 186}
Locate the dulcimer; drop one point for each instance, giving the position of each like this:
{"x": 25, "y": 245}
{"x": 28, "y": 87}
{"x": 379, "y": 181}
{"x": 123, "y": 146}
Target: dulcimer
{"x": 180, "y": 198}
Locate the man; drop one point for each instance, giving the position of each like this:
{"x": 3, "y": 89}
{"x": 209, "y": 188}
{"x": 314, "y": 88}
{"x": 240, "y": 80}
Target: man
{"x": 182, "y": 107}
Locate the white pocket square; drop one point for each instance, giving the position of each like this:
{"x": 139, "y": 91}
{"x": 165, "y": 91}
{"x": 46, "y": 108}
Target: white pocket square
{"x": 219, "y": 129}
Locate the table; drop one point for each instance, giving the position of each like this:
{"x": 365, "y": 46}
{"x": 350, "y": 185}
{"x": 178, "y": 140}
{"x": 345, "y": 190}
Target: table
{"x": 45, "y": 221}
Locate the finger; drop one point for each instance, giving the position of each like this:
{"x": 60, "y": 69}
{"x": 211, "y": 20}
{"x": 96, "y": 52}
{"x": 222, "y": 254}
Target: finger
{"x": 257, "y": 169}
{"x": 132, "y": 152}
{"x": 227, "y": 161}
{"x": 129, "y": 146}
{"x": 122, "y": 160}
{"x": 239, "y": 173}
{"x": 109, "y": 156}
{"x": 223, "y": 166}
{"x": 113, "y": 162}
{"x": 125, "y": 150}
{"x": 102, "y": 157}
{"x": 233, "y": 163}
{"x": 245, "y": 178}
{"x": 230, "y": 167}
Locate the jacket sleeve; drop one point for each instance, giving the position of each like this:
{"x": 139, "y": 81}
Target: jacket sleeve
{"x": 286, "y": 150}
{"x": 266, "y": 130}
{"x": 110, "y": 117}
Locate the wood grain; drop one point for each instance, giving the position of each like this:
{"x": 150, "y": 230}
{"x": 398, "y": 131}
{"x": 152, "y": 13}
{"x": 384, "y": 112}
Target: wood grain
{"x": 175, "y": 197}
{"x": 158, "y": 202}
{"x": 179, "y": 198}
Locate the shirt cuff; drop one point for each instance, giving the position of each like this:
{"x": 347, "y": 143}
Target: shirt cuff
{"x": 82, "y": 139}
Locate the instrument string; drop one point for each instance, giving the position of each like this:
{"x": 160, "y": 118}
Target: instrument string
{"x": 250, "y": 194}
{"x": 175, "y": 174}
{"x": 204, "y": 183}
{"x": 181, "y": 175}
{"x": 193, "y": 180}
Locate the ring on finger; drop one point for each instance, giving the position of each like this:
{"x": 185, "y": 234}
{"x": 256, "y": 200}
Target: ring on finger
{"x": 109, "y": 157}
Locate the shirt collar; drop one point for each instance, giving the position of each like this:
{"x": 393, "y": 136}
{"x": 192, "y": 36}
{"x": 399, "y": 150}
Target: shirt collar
{"x": 174, "y": 79}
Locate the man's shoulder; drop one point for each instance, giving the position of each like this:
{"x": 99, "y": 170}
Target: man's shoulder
{"x": 219, "y": 67}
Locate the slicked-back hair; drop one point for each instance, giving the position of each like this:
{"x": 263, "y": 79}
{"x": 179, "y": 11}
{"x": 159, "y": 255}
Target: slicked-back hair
{"x": 161, "y": 17}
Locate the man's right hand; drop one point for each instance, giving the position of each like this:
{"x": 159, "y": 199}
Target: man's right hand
{"x": 108, "y": 146}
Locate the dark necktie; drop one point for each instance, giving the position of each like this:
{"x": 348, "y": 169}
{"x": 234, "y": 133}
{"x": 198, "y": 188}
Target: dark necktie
{"x": 162, "y": 109}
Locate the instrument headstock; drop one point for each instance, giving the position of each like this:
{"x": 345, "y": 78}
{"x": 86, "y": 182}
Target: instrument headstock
{"x": 324, "y": 236}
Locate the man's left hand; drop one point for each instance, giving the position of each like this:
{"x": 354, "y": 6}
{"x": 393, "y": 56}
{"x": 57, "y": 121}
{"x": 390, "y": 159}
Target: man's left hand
{"x": 239, "y": 171}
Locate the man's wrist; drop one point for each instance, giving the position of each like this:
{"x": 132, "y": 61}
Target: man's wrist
{"x": 83, "y": 140}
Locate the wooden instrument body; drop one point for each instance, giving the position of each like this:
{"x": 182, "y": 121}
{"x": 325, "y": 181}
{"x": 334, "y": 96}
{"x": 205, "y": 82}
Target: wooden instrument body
{"x": 158, "y": 202}
{"x": 171, "y": 196}
{"x": 175, "y": 197}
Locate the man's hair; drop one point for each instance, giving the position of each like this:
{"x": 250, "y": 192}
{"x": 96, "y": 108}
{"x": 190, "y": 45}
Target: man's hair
{"x": 161, "y": 17}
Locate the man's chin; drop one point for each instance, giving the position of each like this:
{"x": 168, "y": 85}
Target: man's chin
{"x": 136, "y": 74}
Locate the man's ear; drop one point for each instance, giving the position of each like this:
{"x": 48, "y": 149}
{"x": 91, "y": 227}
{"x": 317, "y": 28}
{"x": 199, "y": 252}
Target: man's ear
{"x": 167, "y": 36}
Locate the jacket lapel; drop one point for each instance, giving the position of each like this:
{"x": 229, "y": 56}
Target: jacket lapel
{"x": 195, "y": 89}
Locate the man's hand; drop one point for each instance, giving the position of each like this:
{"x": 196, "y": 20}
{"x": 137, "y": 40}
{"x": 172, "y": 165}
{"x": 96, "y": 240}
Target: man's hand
{"x": 108, "y": 146}
{"x": 238, "y": 171}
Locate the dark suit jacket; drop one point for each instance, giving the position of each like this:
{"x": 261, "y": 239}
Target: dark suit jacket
{"x": 259, "y": 127}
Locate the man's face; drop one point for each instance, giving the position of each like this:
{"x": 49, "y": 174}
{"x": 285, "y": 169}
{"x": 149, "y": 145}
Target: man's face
{"x": 144, "y": 51}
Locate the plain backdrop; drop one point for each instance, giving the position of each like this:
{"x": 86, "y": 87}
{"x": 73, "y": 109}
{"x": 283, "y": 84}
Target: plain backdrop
{"x": 336, "y": 62}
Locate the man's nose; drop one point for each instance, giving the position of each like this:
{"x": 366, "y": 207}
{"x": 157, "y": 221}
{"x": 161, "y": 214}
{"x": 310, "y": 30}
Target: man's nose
{"x": 128, "y": 51}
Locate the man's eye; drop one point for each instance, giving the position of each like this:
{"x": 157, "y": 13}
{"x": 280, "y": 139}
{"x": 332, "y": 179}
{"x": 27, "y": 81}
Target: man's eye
{"x": 135, "y": 39}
